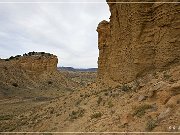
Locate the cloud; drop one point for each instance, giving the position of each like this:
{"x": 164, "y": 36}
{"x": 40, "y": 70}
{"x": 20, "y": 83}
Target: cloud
{"x": 67, "y": 30}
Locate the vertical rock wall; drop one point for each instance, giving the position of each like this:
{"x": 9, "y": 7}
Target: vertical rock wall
{"x": 139, "y": 38}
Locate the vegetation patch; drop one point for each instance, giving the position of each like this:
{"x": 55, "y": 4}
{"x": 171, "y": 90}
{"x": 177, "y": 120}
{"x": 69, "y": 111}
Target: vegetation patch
{"x": 8, "y": 128}
{"x": 96, "y": 115}
{"x": 78, "y": 102}
{"x": 140, "y": 110}
{"x": 76, "y": 114}
{"x": 99, "y": 100}
{"x": 125, "y": 88}
{"x": 6, "y": 117}
{"x": 150, "y": 125}
{"x": 41, "y": 99}
{"x": 5, "y": 68}
{"x": 50, "y": 82}
{"x": 110, "y": 104}
{"x": 166, "y": 75}
{"x": 15, "y": 84}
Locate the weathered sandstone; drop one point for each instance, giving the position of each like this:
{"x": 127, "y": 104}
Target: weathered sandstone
{"x": 32, "y": 69}
{"x": 34, "y": 63}
{"x": 139, "y": 38}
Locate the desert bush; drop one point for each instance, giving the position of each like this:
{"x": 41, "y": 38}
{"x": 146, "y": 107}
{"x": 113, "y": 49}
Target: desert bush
{"x": 50, "y": 82}
{"x": 140, "y": 110}
{"x": 106, "y": 93}
{"x": 99, "y": 100}
{"x": 17, "y": 56}
{"x": 48, "y": 54}
{"x": 125, "y": 88}
{"x": 150, "y": 125}
{"x": 5, "y": 68}
{"x": 86, "y": 95}
{"x": 25, "y": 54}
{"x": 41, "y": 99}
{"x": 96, "y": 115}
{"x": 7, "y": 127}
{"x": 76, "y": 114}
{"x": 78, "y": 102}
{"x": 166, "y": 76}
{"x": 15, "y": 84}
{"x": 6, "y": 117}
{"x": 110, "y": 104}
{"x": 11, "y": 58}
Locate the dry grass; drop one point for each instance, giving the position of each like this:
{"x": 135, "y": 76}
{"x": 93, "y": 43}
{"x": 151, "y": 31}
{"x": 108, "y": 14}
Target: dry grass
{"x": 6, "y": 117}
{"x": 99, "y": 100}
{"x": 140, "y": 110}
{"x": 96, "y": 115}
{"x": 76, "y": 114}
{"x": 150, "y": 125}
{"x": 110, "y": 104}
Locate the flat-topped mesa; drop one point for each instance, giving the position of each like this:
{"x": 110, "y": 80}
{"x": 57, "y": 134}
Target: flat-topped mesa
{"x": 33, "y": 61}
{"x": 139, "y": 38}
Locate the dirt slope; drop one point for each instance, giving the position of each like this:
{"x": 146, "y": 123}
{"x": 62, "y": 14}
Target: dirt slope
{"x": 150, "y": 103}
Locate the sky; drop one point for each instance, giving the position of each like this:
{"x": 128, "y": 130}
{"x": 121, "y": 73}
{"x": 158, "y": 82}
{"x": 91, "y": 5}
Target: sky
{"x": 67, "y": 30}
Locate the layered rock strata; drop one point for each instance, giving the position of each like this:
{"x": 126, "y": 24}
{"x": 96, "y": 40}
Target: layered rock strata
{"x": 140, "y": 37}
{"x": 35, "y": 62}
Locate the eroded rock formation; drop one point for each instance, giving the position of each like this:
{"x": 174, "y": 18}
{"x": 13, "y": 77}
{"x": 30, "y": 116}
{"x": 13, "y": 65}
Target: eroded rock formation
{"x": 35, "y": 62}
{"x": 32, "y": 69}
{"x": 139, "y": 38}
{"x": 33, "y": 74}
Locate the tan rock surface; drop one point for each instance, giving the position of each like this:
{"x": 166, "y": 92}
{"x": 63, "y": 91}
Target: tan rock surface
{"x": 139, "y": 38}
{"x": 32, "y": 74}
{"x": 34, "y": 63}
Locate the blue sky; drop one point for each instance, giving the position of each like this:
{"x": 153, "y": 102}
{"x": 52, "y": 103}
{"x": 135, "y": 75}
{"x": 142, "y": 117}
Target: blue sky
{"x": 67, "y": 30}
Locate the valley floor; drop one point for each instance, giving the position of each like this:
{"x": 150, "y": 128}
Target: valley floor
{"x": 148, "y": 104}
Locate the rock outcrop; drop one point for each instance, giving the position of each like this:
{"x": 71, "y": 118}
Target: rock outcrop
{"x": 30, "y": 70}
{"x": 33, "y": 75}
{"x": 33, "y": 62}
{"x": 139, "y": 38}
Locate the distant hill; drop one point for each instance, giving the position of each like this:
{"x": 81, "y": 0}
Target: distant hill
{"x": 77, "y": 69}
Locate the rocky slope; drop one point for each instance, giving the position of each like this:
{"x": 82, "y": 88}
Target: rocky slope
{"x": 138, "y": 39}
{"x": 31, "y": 82}
{"x": 31, "y": 74}
{"x": 150, "y": 103}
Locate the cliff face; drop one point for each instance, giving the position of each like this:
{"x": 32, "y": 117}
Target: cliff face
{"x": 32, "y": 75}
{"x": 34, "y": 63}
{"x": 39, "y": 64}
{"x": 28, "y": 70}
{"x": 139, "y": 38}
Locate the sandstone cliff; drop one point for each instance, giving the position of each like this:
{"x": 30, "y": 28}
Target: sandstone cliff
{"x": 32, "y": 74}
{"x": 35, "y": 62}
{"x": 32, "y": 69}
{"x": 139, "y": 38}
